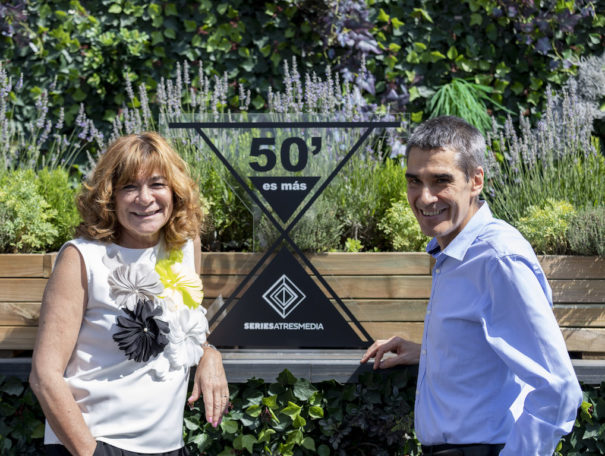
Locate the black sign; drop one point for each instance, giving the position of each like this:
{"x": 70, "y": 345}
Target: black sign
{"x": 287, "y": 166}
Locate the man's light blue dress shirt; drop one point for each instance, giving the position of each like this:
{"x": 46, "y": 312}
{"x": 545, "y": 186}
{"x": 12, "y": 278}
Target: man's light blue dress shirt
{"x": 494, "y": 367}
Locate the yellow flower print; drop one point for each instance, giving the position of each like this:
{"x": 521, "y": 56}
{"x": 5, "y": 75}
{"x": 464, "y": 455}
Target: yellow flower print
{"x": 182, "y": 285}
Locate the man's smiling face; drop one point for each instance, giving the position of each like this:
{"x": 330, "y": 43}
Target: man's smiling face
{"x": 442, "y": 198}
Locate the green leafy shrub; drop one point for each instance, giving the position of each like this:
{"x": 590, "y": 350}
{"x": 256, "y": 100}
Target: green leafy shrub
{"x": 319, "y": 229}
{"x": 545, "y": 226}
{"x": 401, "y": 228}
{"x": 295, "y": 417}
{"x": 353, "y": 245}
{"x": 26, "y": 216}
{"x": 83, "y": 49}
{"x": 587, "y": 436}
{"x": 586, "y": 231}
{"x": 363, "y": 194}
{"x": 37, "y": 210}
{"x": 60, "y": 193}
{"x": 21, "y": 419}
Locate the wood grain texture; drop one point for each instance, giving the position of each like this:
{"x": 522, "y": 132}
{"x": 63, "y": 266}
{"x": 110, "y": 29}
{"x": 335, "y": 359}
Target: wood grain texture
{"x": 21, "y": 290}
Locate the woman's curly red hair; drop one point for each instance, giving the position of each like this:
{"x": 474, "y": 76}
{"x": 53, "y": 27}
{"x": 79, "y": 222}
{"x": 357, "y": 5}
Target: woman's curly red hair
{"x": 123, "y": 162}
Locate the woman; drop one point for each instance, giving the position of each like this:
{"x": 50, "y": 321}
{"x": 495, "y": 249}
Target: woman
{"x": 121, "y": 320}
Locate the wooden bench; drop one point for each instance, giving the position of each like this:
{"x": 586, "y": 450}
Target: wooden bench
{"x": 387, "y": 293}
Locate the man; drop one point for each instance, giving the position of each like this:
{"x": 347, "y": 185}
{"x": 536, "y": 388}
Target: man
{"x": 494, "y": 374}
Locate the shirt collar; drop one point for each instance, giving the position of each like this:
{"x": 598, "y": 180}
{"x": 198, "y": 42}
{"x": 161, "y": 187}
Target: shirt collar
{"x": 461, "y": 243}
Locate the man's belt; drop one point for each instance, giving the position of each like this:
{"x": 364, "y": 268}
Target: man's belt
{"x": 471, "y": 449}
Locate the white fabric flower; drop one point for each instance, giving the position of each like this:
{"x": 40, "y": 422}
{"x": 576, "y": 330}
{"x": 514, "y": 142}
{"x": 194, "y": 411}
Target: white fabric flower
{"x": 129, "y": 283}
{"x": 188, "y": 329}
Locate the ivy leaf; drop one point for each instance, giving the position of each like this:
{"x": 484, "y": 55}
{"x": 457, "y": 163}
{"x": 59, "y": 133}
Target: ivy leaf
{"x": 222, "y": 7}
{"x": 476, "y": 19}
{"x": 190, "y": 26}
{"x": 292, "y": 410}
{"x": 229, "y": 426}
{"x": 452, "y": 53}
{"x": 246, "y": 441}
{"x": 382, "y": 16}
{"x": 308, "y": 443}
{"x": 303, "y": 389}
{"x": 115, "y": 9}
{"x": 323, "y": 450}
{"x": 299, "y": 422}
{"x": 270, "y": 401}
{"x": 12, "y": 386}
{"x": 265, "y": 435}
{"x": 592, "y": 431}
{"x": 191, "y": 425}
{"x": 316, "y": 412}
{"x": 294, "y": 436}
{"x": 78, "y": 95}
{"x": 420, "y": 13}
{"x": 394, "y": 47}
{"x": 254, "y": 410}
{"x": 286, "y": 378}
{"x": 170, "y": 10}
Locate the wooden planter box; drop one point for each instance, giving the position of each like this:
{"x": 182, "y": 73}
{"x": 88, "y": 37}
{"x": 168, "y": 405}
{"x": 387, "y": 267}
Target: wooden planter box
{"x": 387, "y": 292}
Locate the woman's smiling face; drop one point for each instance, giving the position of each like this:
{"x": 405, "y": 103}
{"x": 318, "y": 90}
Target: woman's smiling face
{"x": 442, "y": 198}
{"x": 143, "y": 207}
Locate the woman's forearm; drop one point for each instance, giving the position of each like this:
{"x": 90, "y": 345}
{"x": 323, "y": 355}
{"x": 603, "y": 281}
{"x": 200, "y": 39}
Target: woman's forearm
{"x": 62, "y": 413}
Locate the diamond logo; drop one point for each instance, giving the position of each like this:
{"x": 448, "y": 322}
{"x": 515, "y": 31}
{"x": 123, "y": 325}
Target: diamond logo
{"x": 283, "y": 296}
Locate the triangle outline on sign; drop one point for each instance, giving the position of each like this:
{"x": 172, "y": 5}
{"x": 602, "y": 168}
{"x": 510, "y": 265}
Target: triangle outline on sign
{"x": 237, "y": 328}
{"x": 284, "y": 208}
{"x": 222, "y": 312}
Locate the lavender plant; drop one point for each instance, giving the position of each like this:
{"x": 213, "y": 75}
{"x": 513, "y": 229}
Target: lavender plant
{"x": 307, "y": 96}
{"x": 557, "y": 159}
{"x": 40, "y": 143}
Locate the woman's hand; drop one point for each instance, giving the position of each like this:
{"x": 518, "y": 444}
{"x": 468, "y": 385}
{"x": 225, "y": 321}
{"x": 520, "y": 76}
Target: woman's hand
{"x": 210, "y": 380}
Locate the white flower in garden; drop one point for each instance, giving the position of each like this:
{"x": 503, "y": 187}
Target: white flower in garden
{"x": 188, "y": 329}
{"x": 130, "y": 283}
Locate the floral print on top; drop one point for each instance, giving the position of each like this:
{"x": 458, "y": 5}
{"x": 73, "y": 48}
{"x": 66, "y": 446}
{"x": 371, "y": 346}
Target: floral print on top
{"x": 163, "y": 320}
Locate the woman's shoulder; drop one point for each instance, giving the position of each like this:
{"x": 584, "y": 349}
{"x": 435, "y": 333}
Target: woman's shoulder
{"x": 87, "y": 247}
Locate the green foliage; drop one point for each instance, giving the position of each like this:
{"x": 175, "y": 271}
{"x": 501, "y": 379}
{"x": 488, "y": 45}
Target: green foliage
{"x": 27, "y": 216}
{"x": 353, "y": 245}
{"x": 545, "y": 226}
{"x": 586, "y": 231}
{"x": 464, "y": 99}
{"x": 319, "y": 229}
{"x": 82, "y": 50}
{"x": 295, "y": 417}
{"x": 59, "y": 191}
{"x": 587, "y": 436}
{"x": 37, "y": 210}
{"x": 401, "y": 228}
{"x": 514, "y": 47}
{"x": 21, "y": 419}
{"x": 363, "y": 193}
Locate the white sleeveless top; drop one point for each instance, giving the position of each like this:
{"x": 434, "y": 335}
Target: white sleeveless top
{"x": 132, "y": 396}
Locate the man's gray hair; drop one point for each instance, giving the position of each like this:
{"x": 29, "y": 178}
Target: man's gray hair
{"x": 451, "y": 132}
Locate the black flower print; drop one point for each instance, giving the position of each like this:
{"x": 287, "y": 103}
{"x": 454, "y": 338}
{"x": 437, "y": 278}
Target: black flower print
{"x": 142, "y": 336}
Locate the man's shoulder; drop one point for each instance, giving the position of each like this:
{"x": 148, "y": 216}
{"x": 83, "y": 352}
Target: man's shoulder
{"x": 502, "y": 239}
